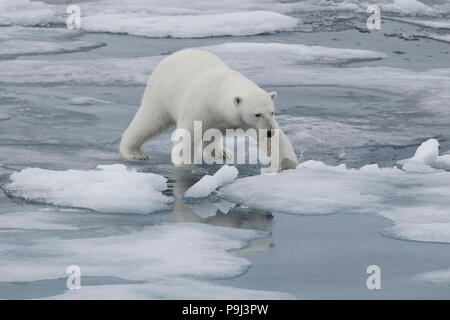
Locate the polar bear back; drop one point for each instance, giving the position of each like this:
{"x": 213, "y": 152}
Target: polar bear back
{"x": 178, "y": 74}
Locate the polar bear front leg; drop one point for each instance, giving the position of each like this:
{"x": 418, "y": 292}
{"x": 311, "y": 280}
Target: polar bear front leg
{"x": 287, "y": 159}
{"x": 149, "y": 121}
{"x": 130, "y": 147}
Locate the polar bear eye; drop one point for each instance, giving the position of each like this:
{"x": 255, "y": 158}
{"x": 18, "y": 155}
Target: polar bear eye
{"x": 258, "y": 115}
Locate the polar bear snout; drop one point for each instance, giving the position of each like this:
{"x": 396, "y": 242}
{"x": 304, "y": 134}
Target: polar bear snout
{"x": 270, "y": 133}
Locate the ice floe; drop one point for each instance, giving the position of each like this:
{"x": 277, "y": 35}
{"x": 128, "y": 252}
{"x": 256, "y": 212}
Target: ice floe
{"x": 432, "y": 23}
{"x": 28, "y": 13}
{"x": 111, "y": 188}
{"x": 406, "y": 7}
{"x": 18, "y": 41}
{"x": 169, "y": 261}
{"x": 191, "y": 26}
{"x": 29, "y": 220}
{"x": 241, "y": 54}
{"x": 179, "y": 18}
{"x": 170, "y": 289}
{"x": 283, "y": 60}
{"x": 426, "y": 158}
{"x": 417, "y": 203}
{"x": 207, "y": 184}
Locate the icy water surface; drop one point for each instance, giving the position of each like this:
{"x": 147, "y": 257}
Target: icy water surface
{"x": 345, "y": 97}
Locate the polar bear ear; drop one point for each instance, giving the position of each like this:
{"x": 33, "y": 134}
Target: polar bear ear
{"x": 273, "y": 95}
{"x": 237, "y": 100}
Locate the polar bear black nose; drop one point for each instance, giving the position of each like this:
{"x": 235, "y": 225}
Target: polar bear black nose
{"x": 269, "y": 133}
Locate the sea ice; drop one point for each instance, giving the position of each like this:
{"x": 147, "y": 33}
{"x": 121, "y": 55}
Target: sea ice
{"x": 86, "y": 101}
{"x": 170, "y": 289}
{"x": 417, "y": 203}
{"x": 208, "y": 184}
{"x": 426, "y": 158}
{"x": 284, "y": 60}
{"x": 190, "y": 26}
{"x": 112, "y": 188}
{"x": 440, "y": 277}
{"x": 18, "y": 41}
{"x": 172, "y": 260}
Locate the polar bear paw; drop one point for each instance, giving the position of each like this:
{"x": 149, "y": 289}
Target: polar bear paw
{"x": 134, "y": 155}
{"x": 287, "y": 164}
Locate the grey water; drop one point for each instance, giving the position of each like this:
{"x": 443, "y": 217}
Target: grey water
{"x": 312, "y": 257}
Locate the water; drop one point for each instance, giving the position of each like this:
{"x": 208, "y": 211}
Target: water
{"x": 335, "y": 108}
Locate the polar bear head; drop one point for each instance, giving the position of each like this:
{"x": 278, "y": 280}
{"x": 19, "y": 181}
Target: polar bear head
{"x": 256, "y": 110}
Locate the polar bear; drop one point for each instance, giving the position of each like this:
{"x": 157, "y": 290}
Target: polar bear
{"x": 195, "y": 85}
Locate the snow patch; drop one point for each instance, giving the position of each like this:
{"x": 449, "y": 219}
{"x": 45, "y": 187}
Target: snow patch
{"x": 112, "y": 188}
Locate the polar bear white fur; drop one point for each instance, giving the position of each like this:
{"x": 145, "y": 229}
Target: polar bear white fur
{"x": 195, "y": 85}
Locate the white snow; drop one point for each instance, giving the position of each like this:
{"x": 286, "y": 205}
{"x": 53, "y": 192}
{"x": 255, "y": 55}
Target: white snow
{"x": 112, "y": 188}
{"x": 418, "y": 203}
{"x": 426, "y": 158}
{"x": 207, "y": 184}
{"x": 190, "y": 26}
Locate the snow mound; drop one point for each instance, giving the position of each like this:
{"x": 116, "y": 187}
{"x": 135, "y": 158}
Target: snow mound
{"x": 417, "y": 203}
{"x": 426, "y": 158}
{"x": 207, "y": 184}
{"x": 112, "y": 188}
